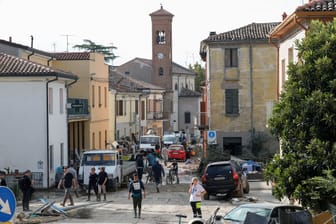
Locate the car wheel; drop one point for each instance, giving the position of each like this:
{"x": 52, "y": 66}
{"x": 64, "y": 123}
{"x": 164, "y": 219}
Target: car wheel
{"x": 240, "y": 191}
{"x": 247, "y": 188}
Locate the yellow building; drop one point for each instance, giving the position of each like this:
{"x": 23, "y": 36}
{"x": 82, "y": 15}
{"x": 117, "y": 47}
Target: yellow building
{"x": 88, "y": 101}
{"x": 241, "y": 86}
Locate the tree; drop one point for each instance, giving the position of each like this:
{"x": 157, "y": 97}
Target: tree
{"x": 305, "y": 120}
{"x": 91, "y": 46}
{"x": 200, "y": 75}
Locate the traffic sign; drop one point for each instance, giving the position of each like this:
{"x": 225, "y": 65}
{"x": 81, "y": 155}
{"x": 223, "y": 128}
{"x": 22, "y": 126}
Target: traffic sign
{"x": 212, "y": 137}
{"x": 7, "y": 204}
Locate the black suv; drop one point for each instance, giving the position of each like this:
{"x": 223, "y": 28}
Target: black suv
{"x": 225, "y": 177}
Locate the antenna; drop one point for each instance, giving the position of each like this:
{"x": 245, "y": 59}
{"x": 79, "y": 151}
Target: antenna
{"x": 67, "y": 40}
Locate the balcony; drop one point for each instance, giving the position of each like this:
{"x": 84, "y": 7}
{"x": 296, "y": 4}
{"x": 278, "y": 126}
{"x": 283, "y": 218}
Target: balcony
{"x": 78, "y": 109}
{"x": 157, "y": 116}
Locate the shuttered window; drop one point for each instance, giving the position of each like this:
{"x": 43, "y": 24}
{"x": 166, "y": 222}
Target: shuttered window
{"x": 231, "y": 101}
{"x": 231, "y": 57}
{"x": 187, "y": 117}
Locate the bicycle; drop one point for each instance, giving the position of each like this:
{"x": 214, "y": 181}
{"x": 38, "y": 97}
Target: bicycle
{"x": 172, "y": 177}
{"x": 180, "y": 216}
{"x": 150, "y": 177}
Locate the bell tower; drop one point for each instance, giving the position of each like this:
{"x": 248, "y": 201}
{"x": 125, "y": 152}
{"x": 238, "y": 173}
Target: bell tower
{"x": 162, "y": 60}
{"x": 162, "y": 48}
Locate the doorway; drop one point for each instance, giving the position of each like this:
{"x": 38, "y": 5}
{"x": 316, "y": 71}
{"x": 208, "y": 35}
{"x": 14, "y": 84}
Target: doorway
{"x": 233, "y": 145}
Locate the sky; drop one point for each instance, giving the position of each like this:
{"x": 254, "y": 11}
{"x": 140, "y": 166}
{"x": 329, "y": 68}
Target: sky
{"x": 58, "y": 25}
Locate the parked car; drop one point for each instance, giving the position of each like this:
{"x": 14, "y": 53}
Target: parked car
{"x": 224, "y": 177}
{"x": 176, "y": 151}
{"x": 268, "y": 213}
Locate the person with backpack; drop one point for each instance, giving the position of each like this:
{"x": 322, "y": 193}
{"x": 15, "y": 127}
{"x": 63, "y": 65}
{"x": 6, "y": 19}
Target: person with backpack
{"x": 140, "y": 164}
{"x": 26, "y": 186}
{"x": 135, "y": 189}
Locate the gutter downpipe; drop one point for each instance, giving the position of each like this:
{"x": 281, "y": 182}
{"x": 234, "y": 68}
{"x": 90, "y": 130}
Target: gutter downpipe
{"x": 31, "y": 45}
{"x": 47, "y": 107}
{"x": 277, "y": 67}
{"x": 251, "y": 90}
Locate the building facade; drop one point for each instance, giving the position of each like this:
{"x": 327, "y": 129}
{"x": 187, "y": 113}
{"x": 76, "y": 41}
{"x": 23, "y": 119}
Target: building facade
{"x": 241, "y": 83}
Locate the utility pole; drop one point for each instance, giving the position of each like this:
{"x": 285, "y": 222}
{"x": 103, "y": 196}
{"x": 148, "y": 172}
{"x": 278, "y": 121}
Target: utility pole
{"x": 67, "y": 40}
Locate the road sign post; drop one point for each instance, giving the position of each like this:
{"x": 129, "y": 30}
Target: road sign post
{"x": 7, "y": 204}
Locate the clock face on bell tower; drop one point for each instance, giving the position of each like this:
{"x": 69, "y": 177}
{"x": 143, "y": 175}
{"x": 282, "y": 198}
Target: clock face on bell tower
{"x": 162, "y": 48}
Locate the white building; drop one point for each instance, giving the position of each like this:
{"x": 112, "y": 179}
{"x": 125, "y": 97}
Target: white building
{"x": 33, "y": 118}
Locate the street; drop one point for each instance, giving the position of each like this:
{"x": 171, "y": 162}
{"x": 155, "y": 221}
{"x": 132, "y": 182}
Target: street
{"x": 156, "y": 208}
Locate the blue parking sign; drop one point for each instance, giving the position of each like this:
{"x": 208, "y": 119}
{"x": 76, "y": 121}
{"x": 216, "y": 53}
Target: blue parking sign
{"x": 7, "y": 204}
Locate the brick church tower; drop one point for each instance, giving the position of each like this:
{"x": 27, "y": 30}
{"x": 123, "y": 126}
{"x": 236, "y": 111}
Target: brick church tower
{"x": 162, "y": 61}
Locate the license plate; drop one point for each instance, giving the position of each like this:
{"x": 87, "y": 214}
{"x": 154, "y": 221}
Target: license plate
{"x": 219, "y": 178}
{"x": 175, "y": 153}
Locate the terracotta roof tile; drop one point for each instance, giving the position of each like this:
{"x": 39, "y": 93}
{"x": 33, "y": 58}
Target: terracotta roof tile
{"x": 318, "y": 5}
{"x": 72, "y": 56}
{"x": 14, "y": 66}
{"x": 253, "y": 31}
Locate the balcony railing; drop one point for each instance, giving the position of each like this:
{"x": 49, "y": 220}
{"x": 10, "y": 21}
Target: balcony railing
{"x": 78, "y": 107}
{"x": 157, "y": 115}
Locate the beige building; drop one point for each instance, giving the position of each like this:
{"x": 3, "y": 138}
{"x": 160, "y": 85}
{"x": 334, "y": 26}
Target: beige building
{"x": 88, "y": 100}
{"x": 241, "y": 86}
{"x": 138, "y": 107}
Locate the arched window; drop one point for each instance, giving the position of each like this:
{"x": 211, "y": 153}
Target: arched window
{"x": 160, "y": 37}
{"x": 160, "y": 71}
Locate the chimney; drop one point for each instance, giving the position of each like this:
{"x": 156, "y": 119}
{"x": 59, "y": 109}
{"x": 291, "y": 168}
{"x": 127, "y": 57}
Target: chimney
{"x": 212, "y": 33}
{"x": 10, "y": 40}
{"x": 284, "y": 16}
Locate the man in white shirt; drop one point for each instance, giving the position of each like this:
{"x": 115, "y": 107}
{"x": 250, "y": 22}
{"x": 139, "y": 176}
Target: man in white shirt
{"x": 196, "y": 192}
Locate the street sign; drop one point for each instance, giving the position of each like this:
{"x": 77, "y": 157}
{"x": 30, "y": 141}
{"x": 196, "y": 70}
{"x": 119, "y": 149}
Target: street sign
{"x": 7, "y": 204}
{"x": 212, "y": 137}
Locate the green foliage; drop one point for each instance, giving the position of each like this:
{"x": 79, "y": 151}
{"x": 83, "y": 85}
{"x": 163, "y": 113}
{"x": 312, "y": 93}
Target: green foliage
{"x": 91, "y": 46}
{"x": 200, "y": 75}
{"x": 305, "y": 119}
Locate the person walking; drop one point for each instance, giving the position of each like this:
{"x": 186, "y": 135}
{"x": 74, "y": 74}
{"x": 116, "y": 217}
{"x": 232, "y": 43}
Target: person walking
{"x": 140, "y": 164}
{"x": 196, "y": 192}
{"x": 68, "y": 183}
{"x": 2, "y": 179}
{"x": 135, "y": 189}
{"x": 27, "y": 189}
{"x": 73, "y": 171}
{"x": 93, "y": 178}
{"x": 158, "y": 173}
{"x": 102, "y": 181}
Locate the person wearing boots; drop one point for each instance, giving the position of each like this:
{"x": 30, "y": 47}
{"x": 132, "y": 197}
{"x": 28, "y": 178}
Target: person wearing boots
{"x": 27, "y": 189}
{"x": 102, "y": 181}
{"x": 68, "y": 183}
{"x": 135, "y": 189}
{"x": 93, "y": 183}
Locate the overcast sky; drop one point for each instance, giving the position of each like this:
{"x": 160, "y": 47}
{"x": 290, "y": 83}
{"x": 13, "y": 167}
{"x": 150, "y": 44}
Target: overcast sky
{"x": 127, "y": 25}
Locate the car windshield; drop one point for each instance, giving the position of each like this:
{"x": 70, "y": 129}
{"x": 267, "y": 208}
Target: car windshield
{"x": 98, "y": 159}
{"x": 218, "y": 170}
{"x": 239, "y": 213}
{"x": 175, "y": 147}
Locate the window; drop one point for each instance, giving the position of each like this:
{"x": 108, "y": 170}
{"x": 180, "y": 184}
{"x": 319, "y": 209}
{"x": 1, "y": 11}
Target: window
{"x": 120, "y": 109}
{"x": 290, "y": 55}
{"x": 93, "y": 140}
{"x": 231, "y": 57}
{"x": 231, "y": 101}
{"x": 61, "y": 100}
{"x": 105, "y": 97}
{"x": 160, "y": 71}
{"x": 143, "y": 110}
{"x": 62, "y": 154}
{"x": 51, "y": 157}
{"x": 50, "y": 100}
{"x": 100, "y": 139}
{"x": 99, "y": 96}
{"x": 160, "y": 37}
{"x": 176, "y": 86}
{"x": 187, "y": 117}
{"x": 136, "y": 109}
{"x": 93, "y": 96}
